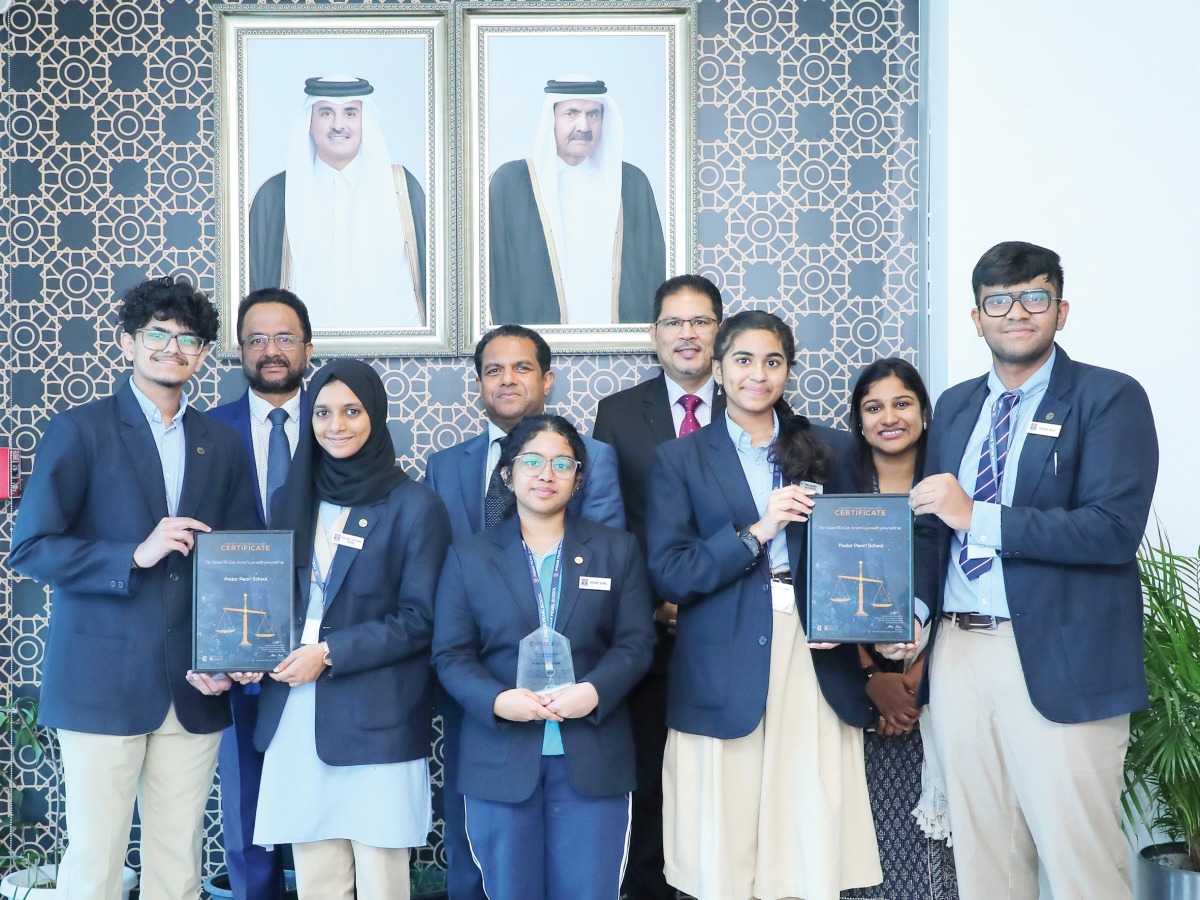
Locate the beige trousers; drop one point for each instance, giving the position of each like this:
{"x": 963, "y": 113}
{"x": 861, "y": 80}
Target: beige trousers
{"x": 169, "y": 772}
{"x": 1022, "y": 788}
{"x": 331, "y": 870}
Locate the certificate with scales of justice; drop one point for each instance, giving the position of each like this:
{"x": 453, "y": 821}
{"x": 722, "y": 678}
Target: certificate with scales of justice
{"x": 242, "y": 601}
{"x": 860, "y": 559}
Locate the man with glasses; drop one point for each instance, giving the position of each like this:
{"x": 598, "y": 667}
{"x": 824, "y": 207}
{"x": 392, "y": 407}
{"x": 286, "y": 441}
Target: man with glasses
{"x": 512, "y": 372}
{"x": 120, "y": 487}
{"x": 1039, "y": 477}
{"x": 275, "y": 346}
{"x": 677, "y": 401}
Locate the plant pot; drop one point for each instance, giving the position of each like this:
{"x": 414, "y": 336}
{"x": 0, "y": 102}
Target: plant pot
{"x": 16, "y": 884}
{"x": 1159, "y": 876}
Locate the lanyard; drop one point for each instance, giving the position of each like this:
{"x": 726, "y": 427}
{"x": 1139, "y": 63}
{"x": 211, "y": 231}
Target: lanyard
{"x": 547, "y": 607}
{"x": 323, "y": 548}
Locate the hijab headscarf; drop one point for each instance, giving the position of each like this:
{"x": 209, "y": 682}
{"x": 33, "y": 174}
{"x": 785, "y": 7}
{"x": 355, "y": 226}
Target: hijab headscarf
{"x": 366, "y": 477}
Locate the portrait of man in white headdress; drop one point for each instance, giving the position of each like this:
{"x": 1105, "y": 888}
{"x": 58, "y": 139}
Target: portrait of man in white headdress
{"x": 342, "y": 226}
{"x": 575, "y": 235}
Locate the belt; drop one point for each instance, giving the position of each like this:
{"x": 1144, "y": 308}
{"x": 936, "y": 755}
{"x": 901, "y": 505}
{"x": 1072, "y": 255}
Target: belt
{"x": 973, "y": 621}
{"x": 782, "y": 576}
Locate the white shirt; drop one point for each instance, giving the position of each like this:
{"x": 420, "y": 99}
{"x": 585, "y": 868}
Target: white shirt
{"x": 587, "y": 263}
{"x": 495, "y": 436}
{"x": 260, "y": 434}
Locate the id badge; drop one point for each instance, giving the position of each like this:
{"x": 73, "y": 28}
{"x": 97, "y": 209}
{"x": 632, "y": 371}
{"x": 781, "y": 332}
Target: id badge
{"x": 312, "y": 631}
{"x": 544, "y": 663}
{"x": 783, "y": 597}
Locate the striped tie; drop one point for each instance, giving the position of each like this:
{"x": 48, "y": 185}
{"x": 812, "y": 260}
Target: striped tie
{"x": 991, "y": 477}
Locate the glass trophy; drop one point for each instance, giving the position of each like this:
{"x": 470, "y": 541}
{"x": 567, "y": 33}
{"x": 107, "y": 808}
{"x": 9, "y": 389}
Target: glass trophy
{"x": 544, "y": 664}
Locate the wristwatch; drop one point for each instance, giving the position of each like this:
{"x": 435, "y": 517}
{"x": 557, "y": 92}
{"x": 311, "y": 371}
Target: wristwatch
{"x": 325, "y": 659}
{"x": 753, "y": 544}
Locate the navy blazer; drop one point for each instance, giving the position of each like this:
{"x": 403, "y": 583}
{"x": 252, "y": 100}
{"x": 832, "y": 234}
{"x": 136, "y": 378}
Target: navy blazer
{"x": 374, "y": 703}
{"x": 486, "y": 605}
{"x": 698, "y": 501}
{"x": 456, "y": 475}
{"x": 120, "y": 640}
{"x": 236, "y": 414}
{"x": 1070, "y": 538}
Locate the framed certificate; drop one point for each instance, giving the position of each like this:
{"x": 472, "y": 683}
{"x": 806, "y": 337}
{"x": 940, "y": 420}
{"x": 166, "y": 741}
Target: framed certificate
{"x": 860, "y": 560}
{"x": 242, "y": 592}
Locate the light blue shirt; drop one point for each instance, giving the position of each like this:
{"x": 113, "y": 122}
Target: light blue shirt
{"x": 986, "y": 593}
{"x": 760, "y": 477}
{"x": 171, "y": 444}
{"x": 552, "y": 744}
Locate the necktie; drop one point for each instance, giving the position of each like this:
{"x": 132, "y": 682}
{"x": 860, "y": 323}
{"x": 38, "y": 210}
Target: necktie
{"x": 496, "y": 501}
{"x": 690, "y": 423}
{"x": 279, "y": 456}
{"x": 991, "y": 476}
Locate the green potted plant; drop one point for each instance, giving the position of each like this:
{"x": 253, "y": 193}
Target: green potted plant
{"x": 31, "y": 877}
{"x": 1162, "y": 766}
{"x": 427, "y": 880}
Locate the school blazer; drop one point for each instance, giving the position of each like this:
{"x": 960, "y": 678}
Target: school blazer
{"x": 1070, "y": 538}
{"x": 374, "y": 703}
{"x": 698, "y": 502}
{"x": 486, "y": 605}
{"x": 120, "y": 640}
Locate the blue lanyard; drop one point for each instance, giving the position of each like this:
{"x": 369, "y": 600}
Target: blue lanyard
{"x": 547, "y": 616}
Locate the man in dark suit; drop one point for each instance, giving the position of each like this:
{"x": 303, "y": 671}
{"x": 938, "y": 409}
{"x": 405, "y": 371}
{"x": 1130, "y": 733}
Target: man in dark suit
{"x": 120, "y": 487}
{"x": 679, "y": 400}
{"x": 275, "y": 346}
{"x": 512, "y": 371}
{"x": 1038, "y": 487}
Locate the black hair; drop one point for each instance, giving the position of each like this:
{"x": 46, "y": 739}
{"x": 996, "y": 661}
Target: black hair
{"x": 275, "y": 295}
{"x": 867, "y": 379}
{"x": 168, "y": 298}
{"x": 800, "y": 455}
{"x": 697, "y": 283}
{"x": 519, "y": 331}
{"x": 1015, "y": 262}
{"x": 523, "y": 432}
{"x": 754, "y": 320}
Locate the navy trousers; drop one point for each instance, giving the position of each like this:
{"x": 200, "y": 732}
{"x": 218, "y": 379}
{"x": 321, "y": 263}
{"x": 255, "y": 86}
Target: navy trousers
{"x": 557, "y": 844}
{"x": 255, "y": 873}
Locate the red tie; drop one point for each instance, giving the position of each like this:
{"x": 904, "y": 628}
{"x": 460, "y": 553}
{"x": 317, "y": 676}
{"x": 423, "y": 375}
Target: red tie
{"x": 690, "y": 423}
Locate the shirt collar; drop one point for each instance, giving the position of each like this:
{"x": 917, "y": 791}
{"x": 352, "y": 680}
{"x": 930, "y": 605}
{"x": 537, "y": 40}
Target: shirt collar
{"x": 1034, "y": 385}
{"x": 152, "y": 412}
{"x": 495, "y": 433}
{"x": 741, "y": 437}
{"x": 674, "y": 391}
{"x": 327, "y": 174}
{"x": 260, "y": 408}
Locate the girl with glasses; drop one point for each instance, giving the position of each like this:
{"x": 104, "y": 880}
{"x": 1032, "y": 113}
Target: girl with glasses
{"x": 543, "y": 625}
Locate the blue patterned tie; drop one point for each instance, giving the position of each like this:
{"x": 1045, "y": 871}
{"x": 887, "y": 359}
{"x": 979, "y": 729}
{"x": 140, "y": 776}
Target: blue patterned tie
{"x": 990, "y": 477}
{"x": 279, "y": 456}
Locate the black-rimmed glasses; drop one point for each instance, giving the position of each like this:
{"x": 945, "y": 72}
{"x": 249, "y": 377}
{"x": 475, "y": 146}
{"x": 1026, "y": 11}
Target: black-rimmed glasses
{"x": 159, "y": 339}
{"x": 1033, "y": 302}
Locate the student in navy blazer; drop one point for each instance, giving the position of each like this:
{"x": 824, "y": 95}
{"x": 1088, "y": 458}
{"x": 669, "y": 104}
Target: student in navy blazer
{"x": 512, "y": 372}
{"x": 1035, "y": 660}
{"x": 345, "y": 719}
{"x": 108, "y": 521}
{"x": 760, "y": 725}
{"x": 546, "y": 778}
{"x": 275, "y": 347}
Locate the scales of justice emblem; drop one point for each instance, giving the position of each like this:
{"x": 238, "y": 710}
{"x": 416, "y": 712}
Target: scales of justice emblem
{"x": 264, "y": 627}
{"x": 880, "y": 598}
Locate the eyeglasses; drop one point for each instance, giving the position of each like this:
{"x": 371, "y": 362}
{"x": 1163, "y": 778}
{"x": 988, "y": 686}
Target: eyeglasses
{"x": 535, "y": 464}
{"x": 157, "y": 339}
{"x": 1034, "y": 302}
{"x": 699, "y": 323}
{"x": 285, "y": 343}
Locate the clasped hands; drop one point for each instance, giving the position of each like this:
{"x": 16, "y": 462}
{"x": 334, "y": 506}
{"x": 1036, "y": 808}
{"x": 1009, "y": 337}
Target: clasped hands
{"x": 522, "y": 705}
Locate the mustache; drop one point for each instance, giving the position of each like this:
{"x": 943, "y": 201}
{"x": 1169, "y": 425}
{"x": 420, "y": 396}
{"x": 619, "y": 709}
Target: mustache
{"x": 580, "y": 136}
{"x": 272, "y": 361}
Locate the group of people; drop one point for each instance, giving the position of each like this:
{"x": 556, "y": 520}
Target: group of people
{"x": 634, "y": 711}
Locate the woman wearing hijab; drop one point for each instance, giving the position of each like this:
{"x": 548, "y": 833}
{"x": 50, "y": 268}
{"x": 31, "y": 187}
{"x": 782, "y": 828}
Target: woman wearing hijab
{"x": 344, "y": 719}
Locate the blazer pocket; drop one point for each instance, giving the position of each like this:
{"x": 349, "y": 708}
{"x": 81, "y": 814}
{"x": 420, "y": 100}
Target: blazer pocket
{"x": 102, "y": 653}
{"x": 378, "y": 701}
{"x": 705, "y": 670}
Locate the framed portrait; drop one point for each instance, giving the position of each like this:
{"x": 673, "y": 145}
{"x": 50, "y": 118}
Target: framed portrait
{"x": 578, "y": 154}
{"x": 332, "y": 178}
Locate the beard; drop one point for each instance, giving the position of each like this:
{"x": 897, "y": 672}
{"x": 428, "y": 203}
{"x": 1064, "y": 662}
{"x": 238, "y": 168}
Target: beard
{"x": 260, "y": 384}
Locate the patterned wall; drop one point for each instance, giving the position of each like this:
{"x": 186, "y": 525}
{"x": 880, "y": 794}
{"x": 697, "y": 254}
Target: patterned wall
{"x": 807, "y": 206}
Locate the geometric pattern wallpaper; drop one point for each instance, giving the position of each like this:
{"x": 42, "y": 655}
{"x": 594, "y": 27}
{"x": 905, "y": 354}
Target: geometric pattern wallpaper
{"x": 806, "y": 204}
